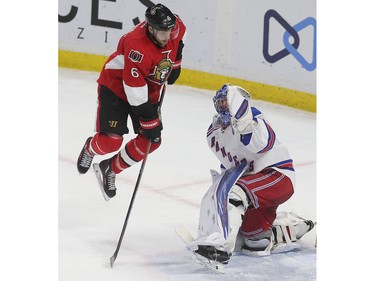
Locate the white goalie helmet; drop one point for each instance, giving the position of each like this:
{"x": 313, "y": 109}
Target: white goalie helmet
{"x": 232, "y": 103}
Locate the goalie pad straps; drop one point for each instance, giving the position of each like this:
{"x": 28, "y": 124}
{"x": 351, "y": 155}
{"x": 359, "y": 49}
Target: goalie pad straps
{"x": 283, "y": 229}
{"x": 288, "y": 228}
{"x": 284, "y": 234}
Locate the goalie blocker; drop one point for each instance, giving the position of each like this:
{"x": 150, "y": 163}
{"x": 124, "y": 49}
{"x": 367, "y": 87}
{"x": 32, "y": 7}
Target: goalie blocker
{"x": 222, "y": 209}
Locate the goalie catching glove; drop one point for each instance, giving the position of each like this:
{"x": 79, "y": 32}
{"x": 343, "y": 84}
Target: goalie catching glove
{"x": 232, "y": 104}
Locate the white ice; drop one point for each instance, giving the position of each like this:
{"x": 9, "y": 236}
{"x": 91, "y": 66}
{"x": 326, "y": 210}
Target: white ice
{"x": 174, "y": 180}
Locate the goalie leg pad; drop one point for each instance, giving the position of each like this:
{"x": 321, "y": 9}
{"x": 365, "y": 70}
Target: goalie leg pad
{"x": 289, "y": 227}
{"x": 219, "y": 220}
{"x": 238, "y": 203}
{"x": 259, "y": 245}
{"x": 238, "y": 197}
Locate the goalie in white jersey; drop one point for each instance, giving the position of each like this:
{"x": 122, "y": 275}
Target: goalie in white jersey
{"x": 239, "y": 209}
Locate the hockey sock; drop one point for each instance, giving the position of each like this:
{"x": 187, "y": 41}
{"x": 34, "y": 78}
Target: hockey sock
{"x": 134, "y": 151}
{"x": 103, "y": 144}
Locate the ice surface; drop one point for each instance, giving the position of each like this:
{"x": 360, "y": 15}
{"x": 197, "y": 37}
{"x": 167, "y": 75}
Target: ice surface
{"x": 174, "y": 180}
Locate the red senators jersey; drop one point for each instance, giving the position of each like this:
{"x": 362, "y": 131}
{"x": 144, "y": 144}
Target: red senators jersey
{"x": 139, "y": 68}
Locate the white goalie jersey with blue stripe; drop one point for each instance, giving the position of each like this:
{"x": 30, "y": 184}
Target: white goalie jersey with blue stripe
{"x": 258, "y": 146}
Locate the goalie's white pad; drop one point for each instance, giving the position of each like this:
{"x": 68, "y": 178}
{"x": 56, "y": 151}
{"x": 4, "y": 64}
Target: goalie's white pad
{"x": 219, "y": 221}
{"x": 288, "y": 227}
{"x": 286, "y": 230}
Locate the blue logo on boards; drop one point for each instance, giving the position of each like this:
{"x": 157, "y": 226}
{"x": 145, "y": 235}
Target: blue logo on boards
{"x": 290, "y": 31}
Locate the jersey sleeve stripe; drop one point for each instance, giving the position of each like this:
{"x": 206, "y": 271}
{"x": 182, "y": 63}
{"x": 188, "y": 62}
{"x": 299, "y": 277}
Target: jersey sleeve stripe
{"x": 271, "y": 138}
{"x": 116, "y": 63}
{"x": 284, "y": 165}
{"x": 136, "y": 95}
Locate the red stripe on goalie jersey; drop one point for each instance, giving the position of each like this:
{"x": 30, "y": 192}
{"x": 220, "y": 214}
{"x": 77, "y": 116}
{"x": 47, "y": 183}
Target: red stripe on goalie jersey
{"x": 271, "y": 138}
{"x": 138, "y": 62}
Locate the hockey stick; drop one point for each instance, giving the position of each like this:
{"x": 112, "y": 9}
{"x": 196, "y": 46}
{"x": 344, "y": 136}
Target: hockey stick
{"x": 114, "y": 256}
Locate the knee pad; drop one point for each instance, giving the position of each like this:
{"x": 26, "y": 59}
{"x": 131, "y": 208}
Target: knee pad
{"x": 237, "y": 206}
{"x": 238, "y": 197}
{"x": 106, "y": 143}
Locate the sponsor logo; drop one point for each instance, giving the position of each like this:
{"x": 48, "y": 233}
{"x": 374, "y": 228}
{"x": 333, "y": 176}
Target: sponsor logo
{"x": 290, "y": 31}
{"x": 97, "y": 8}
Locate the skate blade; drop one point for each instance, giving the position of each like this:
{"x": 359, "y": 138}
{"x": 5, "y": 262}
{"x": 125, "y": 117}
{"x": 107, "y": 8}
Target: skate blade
{"x": 98, "y": 175}
{"x": 210, "y": 264}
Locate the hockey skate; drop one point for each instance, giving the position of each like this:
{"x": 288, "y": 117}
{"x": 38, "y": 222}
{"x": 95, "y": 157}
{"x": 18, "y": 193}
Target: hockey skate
{"x": 85, "y": 158}
{"x": 211, "y": 258}
{"x": 213, "y": 254}
{"x": 205, "y": 255}
{"x": 106, "y": 178}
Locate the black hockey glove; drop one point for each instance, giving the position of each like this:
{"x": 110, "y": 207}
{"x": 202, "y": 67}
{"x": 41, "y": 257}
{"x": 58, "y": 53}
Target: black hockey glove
{"x": 151, "y": 128}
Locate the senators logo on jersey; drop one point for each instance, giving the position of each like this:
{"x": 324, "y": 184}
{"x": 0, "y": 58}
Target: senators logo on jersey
{"x": 162, "y": 69}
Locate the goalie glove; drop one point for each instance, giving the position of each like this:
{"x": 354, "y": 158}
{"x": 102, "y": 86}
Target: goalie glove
{"x": 233, "y": 106}
{"x": 240, "y": 109}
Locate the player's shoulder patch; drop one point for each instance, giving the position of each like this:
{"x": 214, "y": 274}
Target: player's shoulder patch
{"x": 135, "y": 56}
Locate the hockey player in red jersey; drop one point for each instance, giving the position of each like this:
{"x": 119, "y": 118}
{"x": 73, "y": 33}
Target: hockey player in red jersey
{"x": 130, "y": 84}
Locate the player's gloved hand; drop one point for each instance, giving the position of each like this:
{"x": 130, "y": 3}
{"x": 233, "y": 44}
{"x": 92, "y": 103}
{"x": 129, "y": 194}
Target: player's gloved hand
{"x": 151, "y": 128}
{"x": 240, "y": 109}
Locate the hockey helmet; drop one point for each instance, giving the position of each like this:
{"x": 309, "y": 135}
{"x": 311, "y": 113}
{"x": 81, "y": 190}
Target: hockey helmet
{"x": 160, "y": 17}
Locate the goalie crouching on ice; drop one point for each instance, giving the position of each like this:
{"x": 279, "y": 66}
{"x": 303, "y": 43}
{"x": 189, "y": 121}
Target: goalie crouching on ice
{"x": 238, "y": 212}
